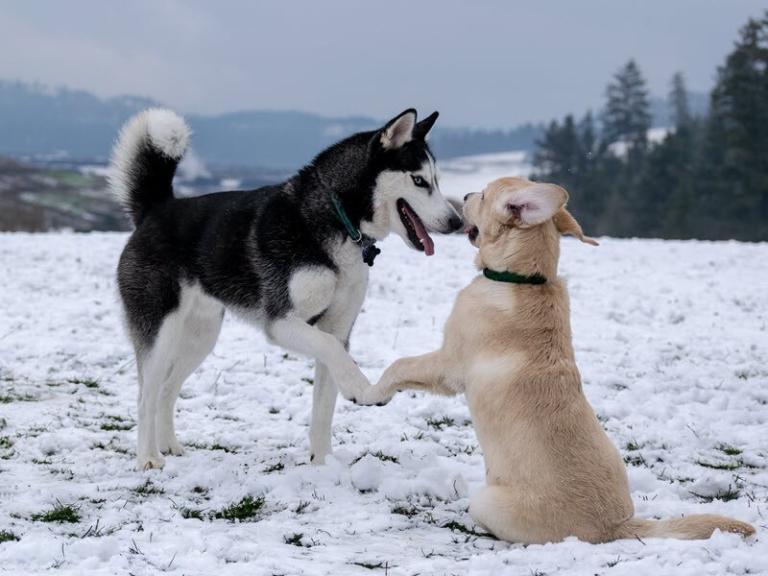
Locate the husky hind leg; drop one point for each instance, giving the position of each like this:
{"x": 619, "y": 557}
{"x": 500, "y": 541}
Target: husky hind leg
{"x": 153, "y": 365}
{"x": 201, "y": 327}
{"x": 185, "y": 337}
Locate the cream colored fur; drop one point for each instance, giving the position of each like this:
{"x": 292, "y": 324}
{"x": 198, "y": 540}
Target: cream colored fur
{"x": 551, "y": 470}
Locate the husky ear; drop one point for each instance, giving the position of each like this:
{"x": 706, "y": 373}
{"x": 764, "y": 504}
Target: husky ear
{"x": 421, "y": 130}
{"x": 399, "y": 130}
{"x": 566, "y": 224}
{"x": 531, "y": 205}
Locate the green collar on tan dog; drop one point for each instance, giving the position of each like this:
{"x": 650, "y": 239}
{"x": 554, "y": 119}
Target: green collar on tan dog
{"x": 513, "y": 278}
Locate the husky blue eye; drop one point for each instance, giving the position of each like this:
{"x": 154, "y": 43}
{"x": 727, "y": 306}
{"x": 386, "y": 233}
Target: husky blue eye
{"x": 419, "y": 181}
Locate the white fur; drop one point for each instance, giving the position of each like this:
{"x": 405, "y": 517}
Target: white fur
{"x": 311, "y": 290}
{"x": 351, "y": 284}
{"x": 186, "y": 337}
{"x": 167, "y": 132}
{"x": 295, "y": 334}
{"x": 434, "y": 211}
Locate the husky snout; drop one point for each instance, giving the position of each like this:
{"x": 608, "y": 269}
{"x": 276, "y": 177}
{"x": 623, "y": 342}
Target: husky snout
{"x": 451, "y": 222}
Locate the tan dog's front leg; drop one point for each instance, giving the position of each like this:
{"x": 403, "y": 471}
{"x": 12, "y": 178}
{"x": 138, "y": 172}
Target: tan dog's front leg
{"x": 426, "y": 372}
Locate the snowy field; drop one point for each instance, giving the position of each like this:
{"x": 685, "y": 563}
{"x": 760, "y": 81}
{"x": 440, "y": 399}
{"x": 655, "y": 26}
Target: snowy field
{"x": 671, "y": 341}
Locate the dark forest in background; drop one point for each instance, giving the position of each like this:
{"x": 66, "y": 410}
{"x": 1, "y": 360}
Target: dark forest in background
{"x": 707, "y": 178}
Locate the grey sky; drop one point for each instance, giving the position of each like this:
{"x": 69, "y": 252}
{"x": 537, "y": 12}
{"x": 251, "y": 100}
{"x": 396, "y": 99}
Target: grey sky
{"x": 483, "y": 63}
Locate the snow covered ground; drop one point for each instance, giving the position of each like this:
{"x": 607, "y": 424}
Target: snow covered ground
{"x": 671, "y": 341}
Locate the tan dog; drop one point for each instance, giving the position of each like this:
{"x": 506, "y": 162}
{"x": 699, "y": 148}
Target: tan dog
{"x": 551, "y": 470}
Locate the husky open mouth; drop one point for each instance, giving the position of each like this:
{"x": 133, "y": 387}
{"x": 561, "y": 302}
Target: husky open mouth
{"x": 417, "y": 232}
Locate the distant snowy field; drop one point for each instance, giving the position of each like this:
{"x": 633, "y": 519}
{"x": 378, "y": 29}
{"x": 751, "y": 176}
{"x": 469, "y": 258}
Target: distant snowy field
{"x": 672, "y": 343}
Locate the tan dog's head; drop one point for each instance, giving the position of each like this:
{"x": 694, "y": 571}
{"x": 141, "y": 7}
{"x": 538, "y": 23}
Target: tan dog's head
{"x": 514, "y": 209}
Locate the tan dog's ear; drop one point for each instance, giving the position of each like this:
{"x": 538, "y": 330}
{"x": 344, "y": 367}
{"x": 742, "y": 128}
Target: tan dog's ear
{"x": 531, "y": 205}
{"x": 566, "y": 224}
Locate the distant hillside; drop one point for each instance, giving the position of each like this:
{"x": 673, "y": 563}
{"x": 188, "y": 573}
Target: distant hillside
{"x": 40, "y": 123}
{"x": 59, "y": 194}
{"x": 35, "y": 200}
{"x": 45, "y": 124}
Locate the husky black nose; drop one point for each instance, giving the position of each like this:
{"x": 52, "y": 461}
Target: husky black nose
{"x": 455, "y": 223}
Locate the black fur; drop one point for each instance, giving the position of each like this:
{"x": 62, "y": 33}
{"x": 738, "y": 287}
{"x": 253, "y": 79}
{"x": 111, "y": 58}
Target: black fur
{"x": 243, "y": 246}
{"x": 151, "y": 181}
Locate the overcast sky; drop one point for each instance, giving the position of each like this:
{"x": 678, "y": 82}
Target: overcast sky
{"x": 481, "y": 63}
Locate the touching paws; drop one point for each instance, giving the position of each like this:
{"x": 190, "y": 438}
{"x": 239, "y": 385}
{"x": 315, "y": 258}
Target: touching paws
{"x": 375, "y": 396}
{"x": 353, "y": 385}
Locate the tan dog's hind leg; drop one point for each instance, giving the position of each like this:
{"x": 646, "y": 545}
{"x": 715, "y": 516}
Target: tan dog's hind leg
{"x": 493, "y": 508}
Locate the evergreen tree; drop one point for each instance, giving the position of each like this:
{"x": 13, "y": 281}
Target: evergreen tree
{"x": 557, "y": 157}
{"x": 708, "y": 178}
{"x": 627, "y": 115}
{"x": 734, "y": 165}
{"x": 678, "y": 101}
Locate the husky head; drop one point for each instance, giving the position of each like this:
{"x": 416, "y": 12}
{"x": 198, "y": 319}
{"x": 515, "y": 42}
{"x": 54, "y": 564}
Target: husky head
{"x": 406, "y": 196}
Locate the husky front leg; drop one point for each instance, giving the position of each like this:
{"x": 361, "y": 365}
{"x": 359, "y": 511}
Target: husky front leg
{"x": 295, "y": 334}
{"x": 324, "y": 394}
{"x": 338, "y": 321}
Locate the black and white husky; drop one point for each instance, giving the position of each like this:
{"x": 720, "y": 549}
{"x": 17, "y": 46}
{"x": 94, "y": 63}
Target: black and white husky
{"x": 289, "y": 258}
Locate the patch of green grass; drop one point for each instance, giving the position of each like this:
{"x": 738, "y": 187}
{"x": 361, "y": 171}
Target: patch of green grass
{"x": 310, "y": 381}
{"x": 245, "y": 509}
{"x": 378, "y": 454}
{"x": 274, "y": 468}
{"x": 6, "y": 443}
{"x": 273, "y": 410}
{"x": 116, "y": 426}
{"x": 87, "y": 382}
{"x": 632, "y": 446}
{"x": 635, "y": 460}
{"x": 202, "y": 490}
{"x": 70, "y": 178}
{"x": 191, "y": 513}
{"x": 59, "y": 513}
{"x": 724, "y": 495}
{"x": 369, "y": 565}
{"x": 12, "y": 397}
{"x": 721, "y": 465}
{"x": 295, "y": 539}
{"x": 8, "y": 536}
{"x": 457, "y": 527}
{"x": 408, "y": 511}
{"x": 214, "y": 446}
{"x": 728, "y": 449}
{"x": 147, "y": 489}
{"x": 109, "y": 446}
{"x": 303, "y": 505}
{"x": 440, "y": 423}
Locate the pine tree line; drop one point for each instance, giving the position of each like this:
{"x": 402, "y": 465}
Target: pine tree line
{"x": 707, "y": 178}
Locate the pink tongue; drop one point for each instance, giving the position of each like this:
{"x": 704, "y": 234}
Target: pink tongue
{"x": 421, "y": 232}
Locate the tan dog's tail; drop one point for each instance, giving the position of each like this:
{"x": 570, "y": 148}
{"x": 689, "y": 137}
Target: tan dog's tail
{"x": 694, "y": 527}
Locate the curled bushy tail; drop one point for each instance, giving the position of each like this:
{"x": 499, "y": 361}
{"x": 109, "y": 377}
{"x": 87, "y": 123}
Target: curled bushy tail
{"x": 144, "y": 160}
{"x": 694, "y": 527}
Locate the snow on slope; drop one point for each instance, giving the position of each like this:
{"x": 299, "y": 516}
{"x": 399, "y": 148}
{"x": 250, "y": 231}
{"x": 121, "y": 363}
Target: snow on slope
{"x": 670, "y": 338}
{"x": 471, "y": 173}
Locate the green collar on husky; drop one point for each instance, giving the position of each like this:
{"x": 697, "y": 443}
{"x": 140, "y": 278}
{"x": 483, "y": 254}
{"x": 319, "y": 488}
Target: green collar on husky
{"x": 513, "y": 278}
{"x": 366, "y": 243}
